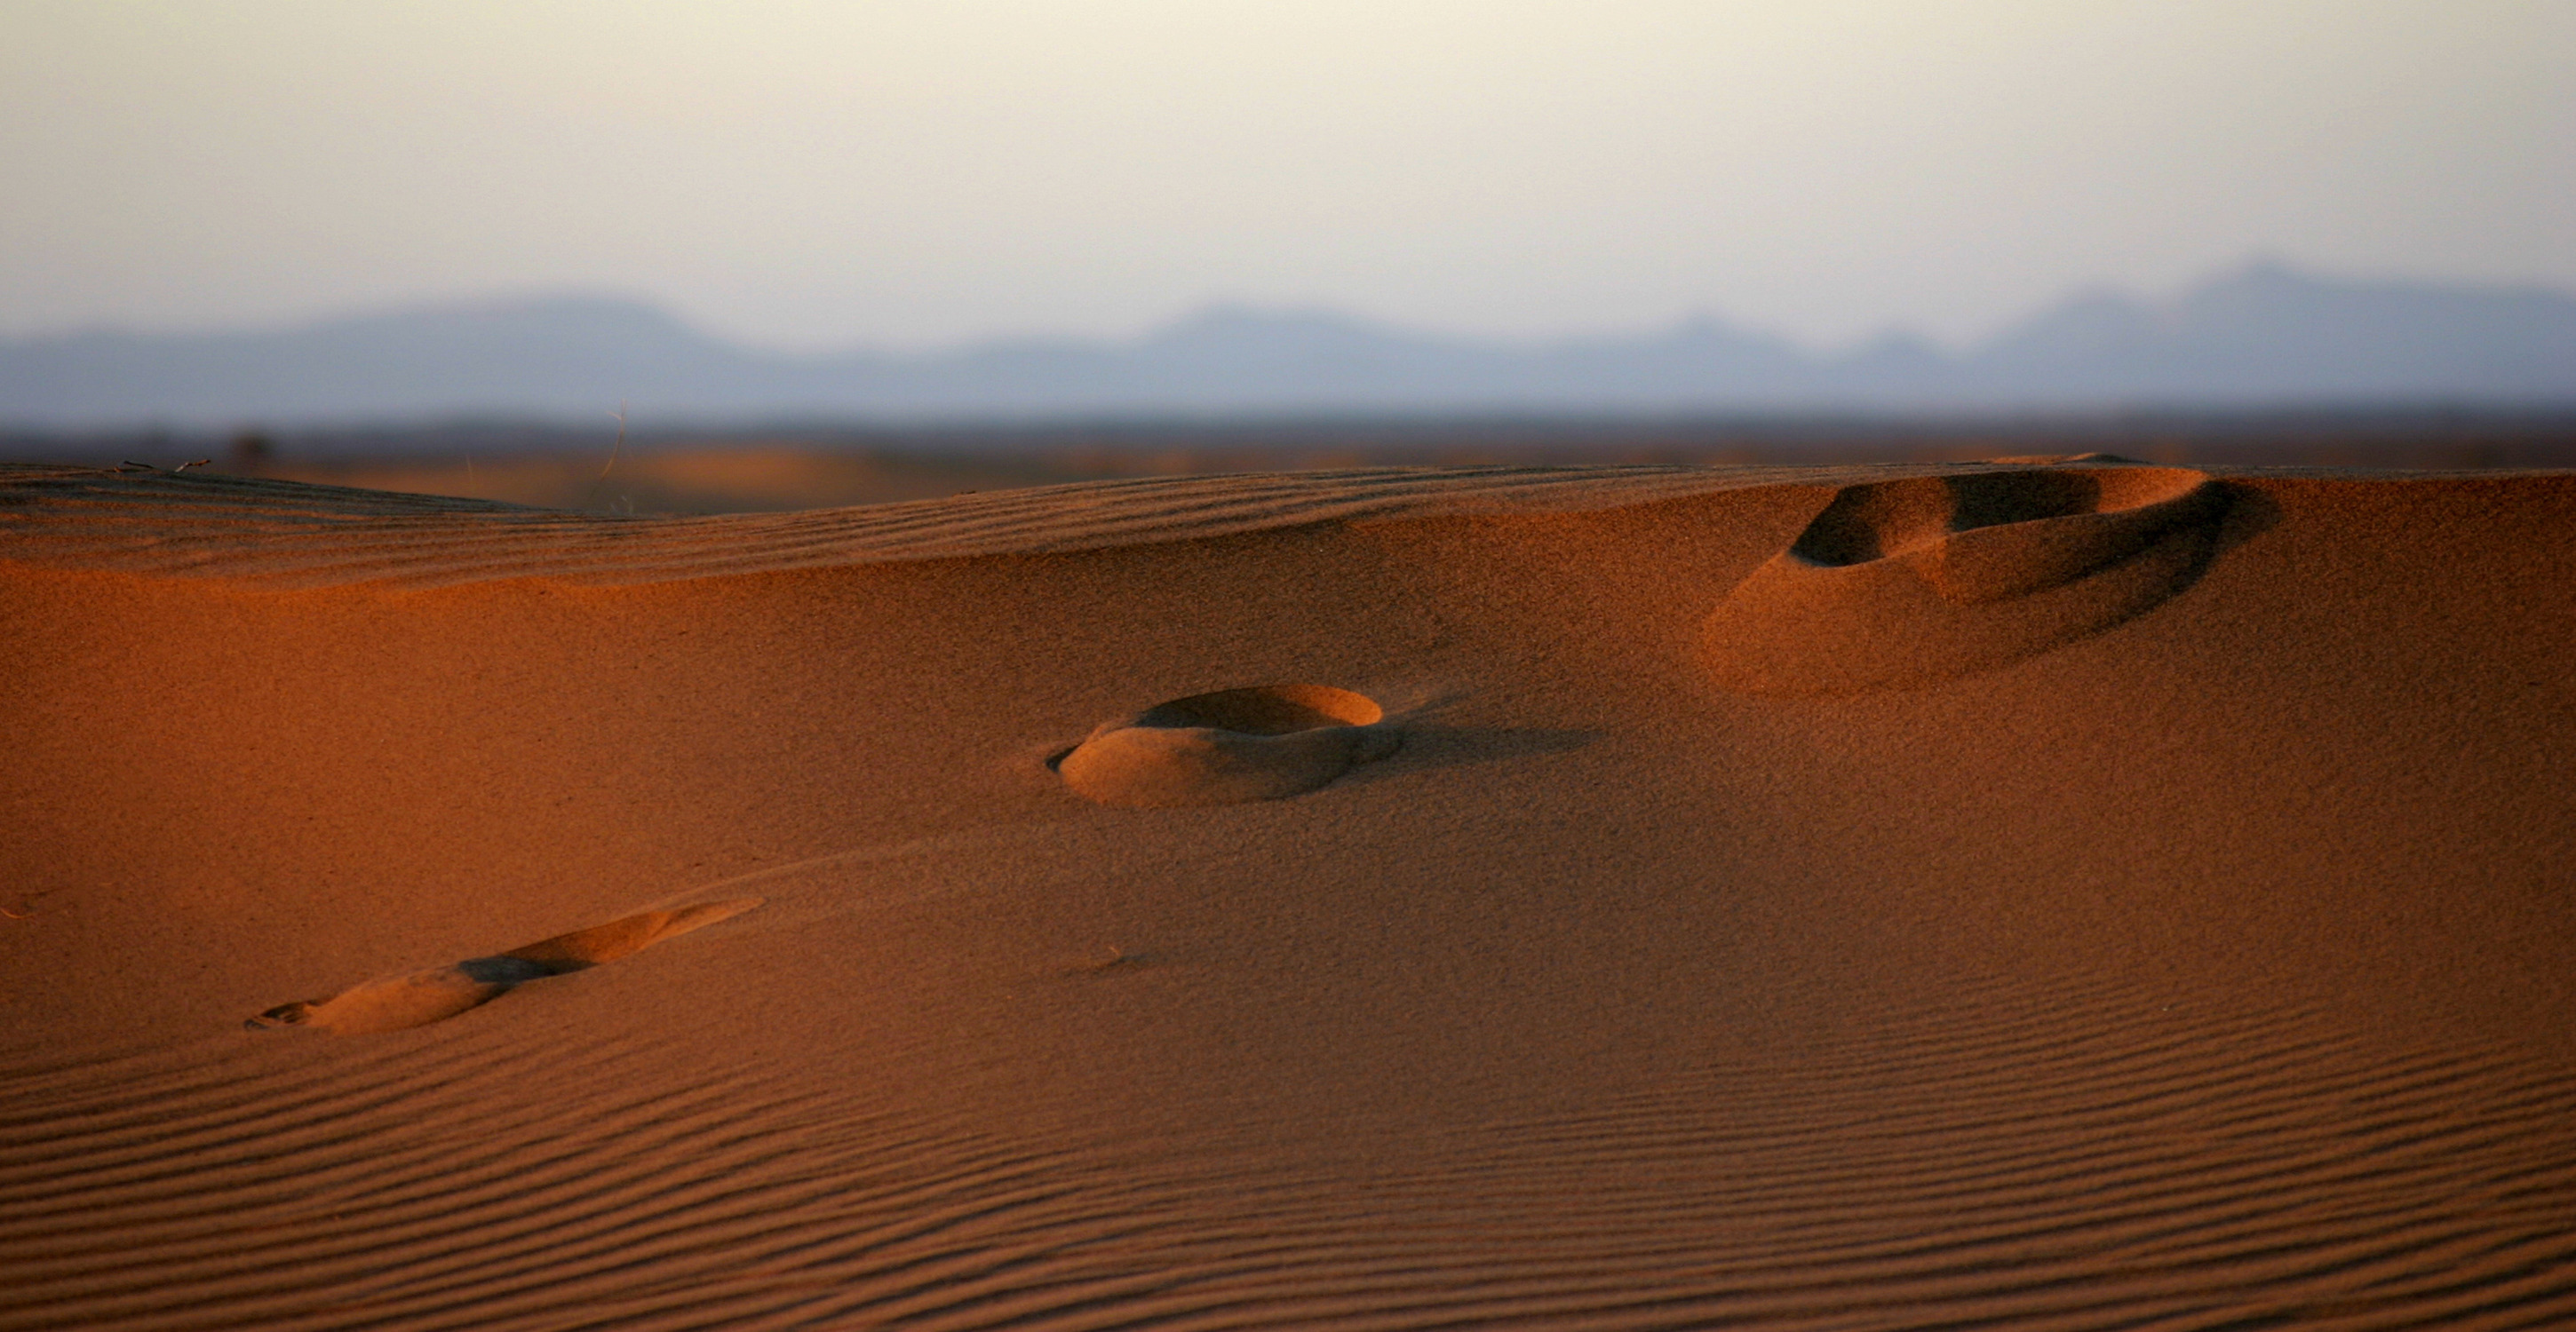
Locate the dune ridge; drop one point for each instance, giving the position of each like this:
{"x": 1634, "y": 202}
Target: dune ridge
{"x": 2198, "y": 967}
{"x": 290, "y": 534}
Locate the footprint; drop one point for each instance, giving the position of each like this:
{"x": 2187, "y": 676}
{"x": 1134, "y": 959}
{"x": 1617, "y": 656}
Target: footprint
{"x": 423, "y": 997}
{"x": 1229, "y": 747}
{"x": 1905, "y": 582}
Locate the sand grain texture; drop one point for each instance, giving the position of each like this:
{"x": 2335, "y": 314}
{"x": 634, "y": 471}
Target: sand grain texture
{"x": 2033, "y": 908}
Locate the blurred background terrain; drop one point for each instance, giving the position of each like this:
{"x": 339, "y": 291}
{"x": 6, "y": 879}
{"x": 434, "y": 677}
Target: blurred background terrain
{"x": 785, "y": 468}
{"x": 817, "y": 254}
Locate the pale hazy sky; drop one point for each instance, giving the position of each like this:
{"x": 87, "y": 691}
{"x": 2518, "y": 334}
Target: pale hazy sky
{"x": 897, "y": 173}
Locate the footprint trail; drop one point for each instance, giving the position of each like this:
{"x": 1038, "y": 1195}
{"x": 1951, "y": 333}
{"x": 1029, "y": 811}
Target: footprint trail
{"x": 393, "y": 1003}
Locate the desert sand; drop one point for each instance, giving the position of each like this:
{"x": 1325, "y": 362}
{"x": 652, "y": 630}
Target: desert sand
{"x": 2041, "y": 893}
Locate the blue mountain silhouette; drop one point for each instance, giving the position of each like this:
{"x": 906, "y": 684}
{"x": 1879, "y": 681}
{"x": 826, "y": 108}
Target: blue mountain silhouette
{"x": 2260, "y": 335}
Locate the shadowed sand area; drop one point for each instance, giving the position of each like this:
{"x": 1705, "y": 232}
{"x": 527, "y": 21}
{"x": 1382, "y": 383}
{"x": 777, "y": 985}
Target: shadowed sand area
{"x": 2032, "y": 894}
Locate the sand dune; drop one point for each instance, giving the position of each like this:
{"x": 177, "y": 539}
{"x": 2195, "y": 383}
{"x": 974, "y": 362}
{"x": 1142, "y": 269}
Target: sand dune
{"x": 2035, "y": 894}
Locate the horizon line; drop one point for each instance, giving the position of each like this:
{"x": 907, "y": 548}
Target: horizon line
{"x": 1208, "y": 308}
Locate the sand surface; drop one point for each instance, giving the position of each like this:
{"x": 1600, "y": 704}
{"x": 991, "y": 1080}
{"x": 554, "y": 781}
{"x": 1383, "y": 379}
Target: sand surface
{"x": 2030, "y": 895}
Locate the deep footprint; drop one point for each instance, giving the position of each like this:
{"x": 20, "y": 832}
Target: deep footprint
{"x": 423, "y": 997}
{"x": 1229, "y": 747}
{"x": 1928, "y": 578}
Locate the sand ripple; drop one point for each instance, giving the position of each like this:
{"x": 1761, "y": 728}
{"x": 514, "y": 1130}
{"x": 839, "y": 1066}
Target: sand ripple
{"x": 291, "y": 534}
{"x": 2023, "y": 1161}
{"x": 2206, "y": 972}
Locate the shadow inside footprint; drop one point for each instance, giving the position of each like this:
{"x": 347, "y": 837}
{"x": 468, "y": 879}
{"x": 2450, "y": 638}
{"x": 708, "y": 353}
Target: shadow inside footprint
{"x": 1926, "y": 578}
{"x": 1229, "y": 747}
{"x": 394, "y": 1002}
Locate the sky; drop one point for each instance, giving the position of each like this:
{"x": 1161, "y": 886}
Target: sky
{"x": 895, "y": 174}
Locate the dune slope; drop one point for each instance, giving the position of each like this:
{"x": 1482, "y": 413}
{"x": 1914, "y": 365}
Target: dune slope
{"x": 2177, "y": 938}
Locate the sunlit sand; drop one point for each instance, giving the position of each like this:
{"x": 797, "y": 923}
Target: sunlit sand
{"x": 2046, "y": 893}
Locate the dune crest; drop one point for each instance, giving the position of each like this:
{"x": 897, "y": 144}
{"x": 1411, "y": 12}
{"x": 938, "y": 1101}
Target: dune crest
{"x": 1926, "y": 578}
{"x": 422, "y": 997}
{"x": 1229, "y": 747}
{"x": 291, "y": 534}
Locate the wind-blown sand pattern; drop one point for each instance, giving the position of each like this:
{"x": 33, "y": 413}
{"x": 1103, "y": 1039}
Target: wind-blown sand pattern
{"x": 2203, "y": 965}
{"x": 286, "y": 534}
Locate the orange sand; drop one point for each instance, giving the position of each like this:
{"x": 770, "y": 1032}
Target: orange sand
{"x": 1966, "y": 902}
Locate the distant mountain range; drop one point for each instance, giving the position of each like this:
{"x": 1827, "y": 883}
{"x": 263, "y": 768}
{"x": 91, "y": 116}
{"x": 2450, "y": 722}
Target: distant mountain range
{"x": 2260, "y": 336}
